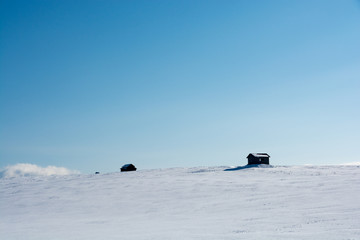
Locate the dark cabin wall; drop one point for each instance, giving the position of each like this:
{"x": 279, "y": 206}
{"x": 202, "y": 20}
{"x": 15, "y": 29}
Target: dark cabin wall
{"x": 265, "y": 160}
{"x": 255, "y": 160}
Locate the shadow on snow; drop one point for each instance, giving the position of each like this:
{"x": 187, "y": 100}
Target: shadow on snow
{"x": 249, "y": 166}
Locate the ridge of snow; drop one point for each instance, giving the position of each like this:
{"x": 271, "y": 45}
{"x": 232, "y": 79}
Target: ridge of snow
{"x": 28, "y": 170}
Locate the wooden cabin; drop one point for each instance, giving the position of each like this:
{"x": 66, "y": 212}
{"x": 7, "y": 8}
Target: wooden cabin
{"x": 258, "y": 158}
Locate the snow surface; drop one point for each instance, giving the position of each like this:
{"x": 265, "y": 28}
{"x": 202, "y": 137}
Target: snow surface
{"x": 303, "y": 202}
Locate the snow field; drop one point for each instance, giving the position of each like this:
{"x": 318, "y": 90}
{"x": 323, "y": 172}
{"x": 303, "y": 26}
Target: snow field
{"x": 304, "y": 202}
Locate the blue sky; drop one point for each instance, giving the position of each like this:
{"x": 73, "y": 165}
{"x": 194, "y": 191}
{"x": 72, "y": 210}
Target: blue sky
{"x": 92, "y": 85}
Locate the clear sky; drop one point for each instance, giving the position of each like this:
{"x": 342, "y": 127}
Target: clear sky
{"x": 93, "y": 85}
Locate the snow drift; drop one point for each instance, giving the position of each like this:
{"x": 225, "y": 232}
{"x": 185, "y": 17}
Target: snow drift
{"x": 27, "y": 170}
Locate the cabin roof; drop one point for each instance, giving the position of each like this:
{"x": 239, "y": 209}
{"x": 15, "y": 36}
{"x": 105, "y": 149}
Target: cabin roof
{"x": 259, "y": 155}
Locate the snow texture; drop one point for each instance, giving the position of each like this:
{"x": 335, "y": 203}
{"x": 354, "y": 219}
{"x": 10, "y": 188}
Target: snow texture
{"x": 271, "y": 202}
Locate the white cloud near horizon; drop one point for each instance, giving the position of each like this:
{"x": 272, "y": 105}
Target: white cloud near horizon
{"x": 27, "y": 169}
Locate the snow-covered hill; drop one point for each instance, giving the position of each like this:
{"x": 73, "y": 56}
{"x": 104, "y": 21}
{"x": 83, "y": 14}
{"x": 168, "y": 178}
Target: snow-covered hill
{"x": 304, "y": 202}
